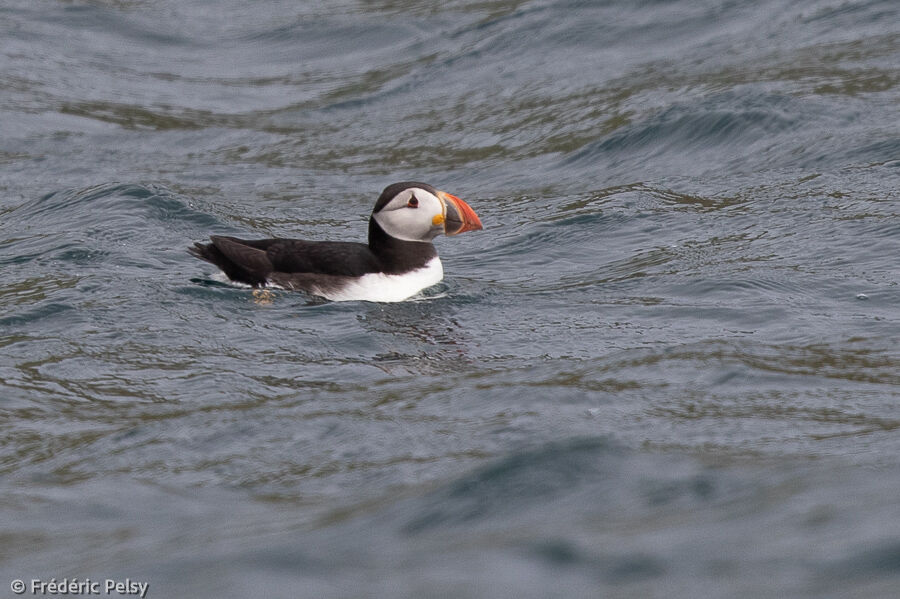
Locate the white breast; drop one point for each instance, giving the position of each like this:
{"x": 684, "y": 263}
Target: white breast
{"x": 379, "y": 287}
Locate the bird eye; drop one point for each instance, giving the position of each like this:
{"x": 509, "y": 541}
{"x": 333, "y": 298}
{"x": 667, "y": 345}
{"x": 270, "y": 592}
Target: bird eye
{"x": 413, "y": 202}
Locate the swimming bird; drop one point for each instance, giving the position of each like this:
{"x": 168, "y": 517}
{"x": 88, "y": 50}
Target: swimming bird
{"x": 398, "y": 261}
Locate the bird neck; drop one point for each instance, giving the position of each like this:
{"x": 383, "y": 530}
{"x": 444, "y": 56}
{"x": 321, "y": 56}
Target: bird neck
{"x": 397, "y": 255}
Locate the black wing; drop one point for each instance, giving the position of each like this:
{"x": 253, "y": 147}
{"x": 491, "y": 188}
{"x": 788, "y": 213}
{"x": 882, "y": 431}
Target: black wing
{"x": 253, "y": 261}
{"x": 339, "y": 258}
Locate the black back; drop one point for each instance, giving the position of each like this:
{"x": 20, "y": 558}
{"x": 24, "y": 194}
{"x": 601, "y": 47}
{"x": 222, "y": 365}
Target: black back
{"x": 255, "y": 261}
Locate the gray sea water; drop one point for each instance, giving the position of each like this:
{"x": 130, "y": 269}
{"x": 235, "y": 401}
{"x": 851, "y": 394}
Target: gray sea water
{"x": 668, "y": 367}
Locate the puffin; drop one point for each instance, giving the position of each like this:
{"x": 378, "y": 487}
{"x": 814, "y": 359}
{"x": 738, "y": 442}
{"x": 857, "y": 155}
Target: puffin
{"x": 398, "y": 261}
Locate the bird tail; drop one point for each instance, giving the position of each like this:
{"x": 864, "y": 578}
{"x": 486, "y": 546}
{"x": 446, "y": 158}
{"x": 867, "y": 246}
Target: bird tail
{"x": 205, "y": 251}
{"x": 235, "y": 270}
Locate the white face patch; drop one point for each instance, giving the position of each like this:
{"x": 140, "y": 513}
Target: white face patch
{"x": 398, "y": 219}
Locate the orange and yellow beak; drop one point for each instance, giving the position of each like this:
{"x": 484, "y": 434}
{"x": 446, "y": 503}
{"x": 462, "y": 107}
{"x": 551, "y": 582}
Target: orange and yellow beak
{"x": 458, "y": 216}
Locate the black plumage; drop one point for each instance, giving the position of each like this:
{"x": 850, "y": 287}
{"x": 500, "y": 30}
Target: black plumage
{"x": 293, "y": 263}
{"x": 329, "y": 267}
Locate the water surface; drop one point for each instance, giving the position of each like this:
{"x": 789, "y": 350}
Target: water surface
{"x": 668, "y": 367}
